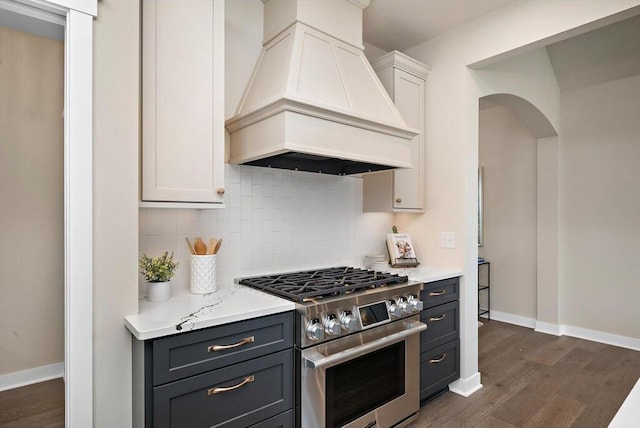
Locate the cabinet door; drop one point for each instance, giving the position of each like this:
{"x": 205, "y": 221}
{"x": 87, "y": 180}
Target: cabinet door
{"x": 408, "y": 184}
{"x": 183, "y": 100}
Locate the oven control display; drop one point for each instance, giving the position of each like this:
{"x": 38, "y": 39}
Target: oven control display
{"x": 373, "y": 314}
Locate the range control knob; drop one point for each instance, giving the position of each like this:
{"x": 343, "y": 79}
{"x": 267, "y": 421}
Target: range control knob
{"x": 393, "y": 308}
{"x": 416, "y": 304}
{"x": 315, "y": 330}
{"x": 348, "y": 321}
{"x": 404, "y": 305}
{"x": 332, "y": 326}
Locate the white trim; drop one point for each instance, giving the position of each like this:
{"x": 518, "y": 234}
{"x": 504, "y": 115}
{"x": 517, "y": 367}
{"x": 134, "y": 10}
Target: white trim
{"x": 548, "y": 328}
{"x": 78, "y": 182}
{"x": 31, "y": 376}
{"x": 89, "y": 7}
{"x": 513, "y": 319}
{"x": 466, "y": 387}
{"x": 601, "y": 337}
{"x": 629, "y": 413}
{"x": 32, "y": 12}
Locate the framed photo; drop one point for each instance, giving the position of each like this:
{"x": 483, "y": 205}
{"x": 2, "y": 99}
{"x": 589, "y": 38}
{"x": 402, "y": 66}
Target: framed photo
{"x": 401, "y": 251}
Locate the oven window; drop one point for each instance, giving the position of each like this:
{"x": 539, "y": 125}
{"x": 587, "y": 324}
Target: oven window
{"x": 361, "y": 385}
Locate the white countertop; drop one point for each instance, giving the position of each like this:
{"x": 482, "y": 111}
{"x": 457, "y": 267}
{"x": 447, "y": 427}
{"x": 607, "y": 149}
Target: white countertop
{"x": 230, "y": 303}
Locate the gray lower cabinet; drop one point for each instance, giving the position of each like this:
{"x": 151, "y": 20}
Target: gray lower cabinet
{"x": 439, "y": 343}
{"x": 234, "y": 375}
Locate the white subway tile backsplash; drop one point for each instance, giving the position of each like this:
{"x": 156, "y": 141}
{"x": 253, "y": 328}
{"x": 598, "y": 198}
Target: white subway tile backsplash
{"x": 274, "y": 221}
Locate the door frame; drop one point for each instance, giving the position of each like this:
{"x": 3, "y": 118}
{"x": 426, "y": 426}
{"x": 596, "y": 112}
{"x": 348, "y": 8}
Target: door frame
{"x": 78, "y": 18}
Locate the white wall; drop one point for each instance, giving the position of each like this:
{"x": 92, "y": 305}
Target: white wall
{"x": 32, "y": 214}
{"x": 116, "y": 131}
{"x": 507, "y": 152}
{"x": 600, "y": 208}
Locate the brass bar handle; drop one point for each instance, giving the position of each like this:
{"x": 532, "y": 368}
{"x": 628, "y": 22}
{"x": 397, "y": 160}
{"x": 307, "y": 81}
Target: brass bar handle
{"x": 216, "y": 348}
{"x": 246, "y": 380}
{"x": 438, "y": 360}
{"x": 440, "y": 318}
{"x": 437, "y": 293}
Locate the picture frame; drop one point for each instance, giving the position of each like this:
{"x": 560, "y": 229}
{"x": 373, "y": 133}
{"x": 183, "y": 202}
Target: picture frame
{"x": 401, "y": 250}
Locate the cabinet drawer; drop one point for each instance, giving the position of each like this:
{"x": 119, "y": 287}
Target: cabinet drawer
{"x": 177, "y": 357}
{"x": 439, "y": 292}
{"x": 191, "y": 403}
{"x": 443, "y": 325}
{"x": 438, "y": 368}
{"x": 283, "y": 420}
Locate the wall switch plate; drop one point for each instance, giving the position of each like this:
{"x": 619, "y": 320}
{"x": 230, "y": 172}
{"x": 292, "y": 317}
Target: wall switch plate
{"x": 448, "y": 239}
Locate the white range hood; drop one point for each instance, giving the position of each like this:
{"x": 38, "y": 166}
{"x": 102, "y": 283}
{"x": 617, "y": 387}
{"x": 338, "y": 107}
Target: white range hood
{"x": 313, "y": 102}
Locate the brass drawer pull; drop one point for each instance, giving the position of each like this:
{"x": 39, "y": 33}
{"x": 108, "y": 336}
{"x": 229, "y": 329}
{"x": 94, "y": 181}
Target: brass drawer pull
{"x": 440, "y": 318}
{"x": 437, "y": 293}
{"x": 438, "y": 360}
{"x": 216, "y": 348}
{"x": 246, "y": 380}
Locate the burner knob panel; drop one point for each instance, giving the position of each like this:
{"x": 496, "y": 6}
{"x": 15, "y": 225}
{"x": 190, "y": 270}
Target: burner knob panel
{"x": 348, "y": 321}
{"x": 416, "y": 304}
{"x": 393, "y": 308}
{"x": 315, "y": 330}
{"x": 332, "y": 326}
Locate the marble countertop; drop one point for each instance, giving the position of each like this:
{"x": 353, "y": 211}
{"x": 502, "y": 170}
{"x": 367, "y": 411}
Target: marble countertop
{"x": 230, "y": 303}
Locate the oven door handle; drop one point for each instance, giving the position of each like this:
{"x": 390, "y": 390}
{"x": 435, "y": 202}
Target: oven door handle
{"x": 318, "y": 361}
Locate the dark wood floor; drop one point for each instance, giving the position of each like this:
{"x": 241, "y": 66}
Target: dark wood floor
{"x": 529, "y": 379}
{"x": 40, "y": 405}
{"x": 537, "y": 380}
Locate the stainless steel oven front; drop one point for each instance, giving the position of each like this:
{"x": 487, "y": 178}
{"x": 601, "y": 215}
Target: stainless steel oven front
{"x": 364, "y": 380}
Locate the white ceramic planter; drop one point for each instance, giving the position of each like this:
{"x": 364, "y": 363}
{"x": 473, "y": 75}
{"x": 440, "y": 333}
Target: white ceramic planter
{"x": 158, "y": 291}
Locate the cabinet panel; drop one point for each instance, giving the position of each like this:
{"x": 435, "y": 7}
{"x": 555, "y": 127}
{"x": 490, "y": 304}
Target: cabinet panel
{"x": 263, "y": 388}
{"x": 442, "y": 325}
{"x": 182, "y": 100}
{"x": 176, "y": 357}
{"x": 283, "y": 420}
{"x": 439, "y": 292}
{"x": 438, "y": 368}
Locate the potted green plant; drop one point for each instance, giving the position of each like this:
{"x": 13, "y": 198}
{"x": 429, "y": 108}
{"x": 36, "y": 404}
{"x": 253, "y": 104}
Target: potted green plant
{"x": 158, "y": 272}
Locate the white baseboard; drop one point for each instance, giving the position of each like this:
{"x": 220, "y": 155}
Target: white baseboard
{"x": 629, "y": 413}
{"x": 548, "y": 328}
{"x": 513, "y": 319}
{"x": 466, "y": 387}
{"x": 568, "y": 330}
{"x": 31, "y": 376}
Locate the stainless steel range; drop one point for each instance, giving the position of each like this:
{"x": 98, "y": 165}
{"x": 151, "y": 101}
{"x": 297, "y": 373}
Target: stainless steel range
{"x": 357, "y": 345}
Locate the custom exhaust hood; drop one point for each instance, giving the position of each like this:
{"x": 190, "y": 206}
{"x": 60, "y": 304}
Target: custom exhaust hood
{"x": 314, "y": 102}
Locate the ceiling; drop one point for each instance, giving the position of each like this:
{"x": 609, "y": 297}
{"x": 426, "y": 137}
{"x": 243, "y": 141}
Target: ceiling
{"x": 401, "y": 24}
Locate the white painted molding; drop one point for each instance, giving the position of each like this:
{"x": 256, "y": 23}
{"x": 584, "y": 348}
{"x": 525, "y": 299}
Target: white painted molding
{"x": 466, "y": 387}
{"x": 629, "y": 413}
{"x": 602, "y": 337}
{"x": 33, "y": 12}
{"x": 548, "y": 328}
{"x": 31, "y": 376}
{"x": 513, "y": 319}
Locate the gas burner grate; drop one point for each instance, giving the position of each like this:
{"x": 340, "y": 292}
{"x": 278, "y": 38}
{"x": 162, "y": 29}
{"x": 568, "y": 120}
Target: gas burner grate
{"x": 316, "y": 284}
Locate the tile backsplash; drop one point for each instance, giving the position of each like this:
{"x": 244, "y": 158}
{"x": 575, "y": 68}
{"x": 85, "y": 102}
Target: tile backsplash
{"x": 274, "y": 221}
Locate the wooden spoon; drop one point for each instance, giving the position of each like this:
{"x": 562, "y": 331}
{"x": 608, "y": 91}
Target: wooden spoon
{"x": 217, "y": 247}
{"x": 200, "y": 247}
{"x": 193, "y": 252}
{"x": 212, "y": 245}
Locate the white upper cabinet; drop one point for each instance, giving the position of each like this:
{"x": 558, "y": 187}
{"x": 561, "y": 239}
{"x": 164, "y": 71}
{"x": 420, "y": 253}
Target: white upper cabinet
{"x": 401, "y": 190}
{"x": 183, "y": 102}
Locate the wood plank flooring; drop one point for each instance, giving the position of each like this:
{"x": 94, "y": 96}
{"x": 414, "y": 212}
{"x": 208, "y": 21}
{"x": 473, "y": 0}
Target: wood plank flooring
{"x": 537, "y": 380}
{"x": 40, "y": 405}
{"x": 529, "y": 380}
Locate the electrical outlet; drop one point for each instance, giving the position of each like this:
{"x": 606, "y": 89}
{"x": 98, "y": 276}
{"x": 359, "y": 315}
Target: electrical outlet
{"x": 448, "y": 239}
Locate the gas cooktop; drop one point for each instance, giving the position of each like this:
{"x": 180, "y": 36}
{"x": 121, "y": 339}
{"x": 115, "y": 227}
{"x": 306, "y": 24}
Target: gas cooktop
{"x": 316, "y": 284}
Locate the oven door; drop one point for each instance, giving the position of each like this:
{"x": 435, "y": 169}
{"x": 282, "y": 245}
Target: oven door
{"x": 368, "y": 379}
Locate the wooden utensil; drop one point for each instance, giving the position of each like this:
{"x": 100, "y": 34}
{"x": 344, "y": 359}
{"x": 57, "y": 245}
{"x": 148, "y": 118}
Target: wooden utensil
{"x": 212, "y": 245}
{"x": 193, "y": 252}
{"x": 217, "y": 247}
{"x": 200, "y": 247}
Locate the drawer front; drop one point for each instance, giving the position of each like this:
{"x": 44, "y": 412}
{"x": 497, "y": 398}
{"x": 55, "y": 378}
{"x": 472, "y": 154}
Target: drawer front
{"x": 440, "y": 292}
{"x": 177, "y": 357}
{"x": 438, "y": 368}
{"x": 283, "y": 420}
{"x": 190, "y": 403}
{"x": 443, "y": 325}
